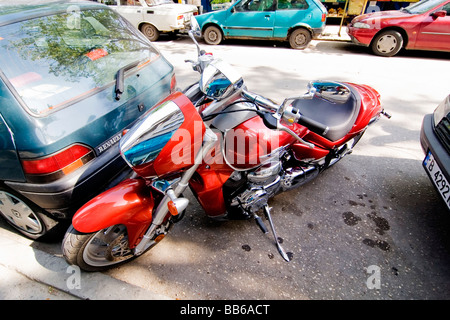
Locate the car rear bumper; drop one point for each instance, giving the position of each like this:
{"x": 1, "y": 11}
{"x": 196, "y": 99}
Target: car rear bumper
{"x": 63, "y": 197}
{"x": 316, "y": 32}
{"x": 430, "y": 142}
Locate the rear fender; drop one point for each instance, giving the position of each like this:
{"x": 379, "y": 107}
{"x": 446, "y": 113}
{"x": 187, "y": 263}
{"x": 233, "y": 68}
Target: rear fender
{"x": 370, "y": 106}
{"x": 129, "y": 203}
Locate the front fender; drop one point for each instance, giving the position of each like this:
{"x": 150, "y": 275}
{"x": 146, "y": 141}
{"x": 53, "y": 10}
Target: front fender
{"x": 216, "y": 18}
{"x": 129, "y": 203}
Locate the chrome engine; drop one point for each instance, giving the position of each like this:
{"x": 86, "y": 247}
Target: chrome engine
{"x": 263, "y": 183}
{"x": 258, "y": 186}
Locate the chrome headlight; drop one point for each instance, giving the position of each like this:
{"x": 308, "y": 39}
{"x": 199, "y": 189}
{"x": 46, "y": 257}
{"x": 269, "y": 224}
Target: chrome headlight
{"x": 442, "y": 110}
{"x": 361, "y": 25}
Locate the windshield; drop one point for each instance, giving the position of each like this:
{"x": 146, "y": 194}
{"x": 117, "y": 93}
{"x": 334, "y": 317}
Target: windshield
{"x": 422, "y": 6}
{"x": 55, "y": 60}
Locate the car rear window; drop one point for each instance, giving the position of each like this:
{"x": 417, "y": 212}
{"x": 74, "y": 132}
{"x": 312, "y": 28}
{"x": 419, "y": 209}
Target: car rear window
{"x": 56, "y": 60}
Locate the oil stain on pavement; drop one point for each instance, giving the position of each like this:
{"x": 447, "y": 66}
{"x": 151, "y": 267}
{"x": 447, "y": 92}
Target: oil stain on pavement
{"x": 380, "y": 223}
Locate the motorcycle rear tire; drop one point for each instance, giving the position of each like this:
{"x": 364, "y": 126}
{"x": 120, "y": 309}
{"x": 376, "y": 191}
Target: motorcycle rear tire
{"x": 342, "y": 149}
{"x": 97, "y": 251}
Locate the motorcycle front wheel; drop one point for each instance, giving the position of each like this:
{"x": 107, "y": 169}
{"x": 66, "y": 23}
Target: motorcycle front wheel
{"x": 99, "y": 250}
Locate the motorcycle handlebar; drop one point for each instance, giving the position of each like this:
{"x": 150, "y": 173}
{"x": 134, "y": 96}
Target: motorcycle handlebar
{"x": 261, "y": 101}
{"x": 311, "y": 124}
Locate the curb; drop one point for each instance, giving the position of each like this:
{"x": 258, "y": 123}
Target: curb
{"x": 53, "y": 271}
{"x": 332, "y": 33}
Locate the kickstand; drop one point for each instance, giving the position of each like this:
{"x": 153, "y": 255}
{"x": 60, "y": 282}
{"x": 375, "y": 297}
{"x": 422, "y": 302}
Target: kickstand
{"x": 286, "y": 256}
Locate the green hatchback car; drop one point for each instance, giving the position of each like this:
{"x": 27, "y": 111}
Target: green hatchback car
{"x": 296, "y": 21}
{"x": 73, "y": 76}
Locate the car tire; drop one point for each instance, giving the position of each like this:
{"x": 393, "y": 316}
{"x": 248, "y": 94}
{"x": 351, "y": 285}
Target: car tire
{"x": 213, "y": 35}
{"x": 150, "y": 32}
{"x": 299, "y": 38}
{"x": 24, "y": 216}
{"x": 387, "y": 43}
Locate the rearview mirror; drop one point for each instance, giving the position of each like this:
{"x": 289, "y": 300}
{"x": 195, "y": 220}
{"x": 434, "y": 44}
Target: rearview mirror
{"x": 439, "y": 14}
{"x": 195, "y": 27}
{"x": 218, "y": 79}
{"x": 332, "y": 91}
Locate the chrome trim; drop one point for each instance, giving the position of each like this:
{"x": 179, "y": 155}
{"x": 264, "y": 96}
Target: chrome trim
{"x": 249, "y": 28}
{"x": 437, "y": 33}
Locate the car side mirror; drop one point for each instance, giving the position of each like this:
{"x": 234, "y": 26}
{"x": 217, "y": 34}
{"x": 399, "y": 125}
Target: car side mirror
{"x": 439, "y": 14}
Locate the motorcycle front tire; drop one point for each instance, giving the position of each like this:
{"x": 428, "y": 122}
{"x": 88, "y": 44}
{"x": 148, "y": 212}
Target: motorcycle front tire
{"x": 97, "y": 251}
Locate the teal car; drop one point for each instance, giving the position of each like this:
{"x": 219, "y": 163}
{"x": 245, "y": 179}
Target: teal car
{"x": 296, "y": 21}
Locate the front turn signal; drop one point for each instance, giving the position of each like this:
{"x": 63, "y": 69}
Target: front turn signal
{"x": 172, "y": 208}
{"x": 177, "y": 205}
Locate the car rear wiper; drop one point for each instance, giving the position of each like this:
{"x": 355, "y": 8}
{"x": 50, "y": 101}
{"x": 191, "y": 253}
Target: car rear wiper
{"x": 120, "y": 76}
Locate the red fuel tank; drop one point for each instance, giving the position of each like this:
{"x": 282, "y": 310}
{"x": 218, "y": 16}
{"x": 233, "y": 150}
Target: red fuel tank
{"x": 251, "y": 143}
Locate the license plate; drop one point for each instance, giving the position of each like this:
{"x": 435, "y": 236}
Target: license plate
{"x": 437, "y": 177}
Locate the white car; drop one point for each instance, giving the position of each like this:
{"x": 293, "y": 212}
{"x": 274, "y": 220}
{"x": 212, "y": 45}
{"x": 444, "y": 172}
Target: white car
{"x": 153, "y": 17}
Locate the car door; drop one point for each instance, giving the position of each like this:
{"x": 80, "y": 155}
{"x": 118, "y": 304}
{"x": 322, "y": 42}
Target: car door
{"x": 434, "y": 32}
{"x": 252, "y": 19}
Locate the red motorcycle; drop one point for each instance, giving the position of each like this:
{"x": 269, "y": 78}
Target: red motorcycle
{"x": 233, "y": 148}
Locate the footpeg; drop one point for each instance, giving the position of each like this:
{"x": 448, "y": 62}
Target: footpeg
{"x": 386, "y": 114}
{"x": 286, "y": 256}
{"x": 260, "y": 223}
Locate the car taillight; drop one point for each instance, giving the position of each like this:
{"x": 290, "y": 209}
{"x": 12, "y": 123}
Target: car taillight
{"x": 324, "y": 17}
{"x": 58, "y": 164}
{"x": 180, "y": 17}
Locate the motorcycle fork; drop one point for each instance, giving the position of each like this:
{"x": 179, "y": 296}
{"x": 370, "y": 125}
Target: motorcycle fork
{"x": 162, "y": 210}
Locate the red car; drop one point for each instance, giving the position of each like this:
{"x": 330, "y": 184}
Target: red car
{"x": 424, "y": 25}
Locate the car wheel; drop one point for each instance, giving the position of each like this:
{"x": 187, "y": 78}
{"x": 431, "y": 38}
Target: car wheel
{"x": 21, "y": 215}
{"x": 212, "y": 35}
{"x": 299, "y": 38}
{"x": 150, "y": 32}
{"x": 387, "y": 43}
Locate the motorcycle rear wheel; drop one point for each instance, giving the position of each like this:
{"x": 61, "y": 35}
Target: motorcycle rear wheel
{"x": 345, "y": 149}
{"x": 97, "y": 251}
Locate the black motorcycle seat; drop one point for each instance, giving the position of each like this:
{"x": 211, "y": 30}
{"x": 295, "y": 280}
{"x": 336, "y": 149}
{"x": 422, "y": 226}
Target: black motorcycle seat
{"x": 339, "y": 117}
